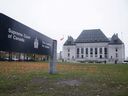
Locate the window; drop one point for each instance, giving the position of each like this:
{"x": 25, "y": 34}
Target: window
{"x": 100, "y": 56}
{"x": 116, "y": 49}
{"x": 116, "y": 55}
{"x": 91, "y": 50}
{"x": 68, "y": 50}
{"x": 78, "y": 50}
{"x": 82, "y": 50}
{"x": 100, "y": 50}
{"x": 68, "y": 54}
{"x": 95, "y": 50}
{"x": 82, "y": 56}
{"x": 86, "y": 50}
{"x": 105, "y": 51}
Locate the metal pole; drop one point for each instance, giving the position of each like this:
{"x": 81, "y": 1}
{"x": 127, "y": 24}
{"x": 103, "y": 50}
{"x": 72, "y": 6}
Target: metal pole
{"x": 53, "y": 58}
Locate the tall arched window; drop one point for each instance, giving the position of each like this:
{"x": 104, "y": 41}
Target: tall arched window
{"x": 100, "y": 50}
{"x": 82, "y": 50}
{"x": 86, "y": 52}
{"x": 78, "y": 51}
{"x": 91, "y": 52}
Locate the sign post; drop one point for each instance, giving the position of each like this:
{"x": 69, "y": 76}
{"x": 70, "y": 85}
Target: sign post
{"x": 53, "y": 58}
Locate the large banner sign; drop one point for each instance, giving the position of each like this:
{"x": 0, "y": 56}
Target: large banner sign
{"x": 16, "y": 37}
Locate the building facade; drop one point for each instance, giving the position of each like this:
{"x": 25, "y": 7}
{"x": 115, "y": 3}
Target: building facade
{"x": 93, "y": 45}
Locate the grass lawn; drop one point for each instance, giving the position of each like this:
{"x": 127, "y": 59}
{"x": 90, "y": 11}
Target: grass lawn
{"x": 32, "y": 79}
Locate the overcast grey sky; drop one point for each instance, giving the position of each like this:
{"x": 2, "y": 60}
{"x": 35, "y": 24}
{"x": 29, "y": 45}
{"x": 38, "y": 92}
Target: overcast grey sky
{"x": 58, "y": 18}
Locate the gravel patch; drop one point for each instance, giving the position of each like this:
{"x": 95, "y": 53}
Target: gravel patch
{"x": 69, "y": 82}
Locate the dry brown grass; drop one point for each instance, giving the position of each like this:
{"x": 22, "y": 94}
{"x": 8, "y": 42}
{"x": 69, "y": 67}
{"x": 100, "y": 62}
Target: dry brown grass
{"x": 22, "y": 67}
{"x": 76, "y": 67}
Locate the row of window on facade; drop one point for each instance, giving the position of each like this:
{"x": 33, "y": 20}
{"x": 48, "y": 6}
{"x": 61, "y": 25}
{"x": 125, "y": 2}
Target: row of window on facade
{"x": 93, "y": 52}
{"x": 82, "y": 56}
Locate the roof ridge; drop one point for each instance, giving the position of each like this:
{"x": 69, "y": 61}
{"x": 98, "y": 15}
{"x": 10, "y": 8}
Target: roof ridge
{"x": 91, "y": 29}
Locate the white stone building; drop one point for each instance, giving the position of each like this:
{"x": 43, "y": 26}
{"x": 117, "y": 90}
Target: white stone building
{"x": 93, "y": 45}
